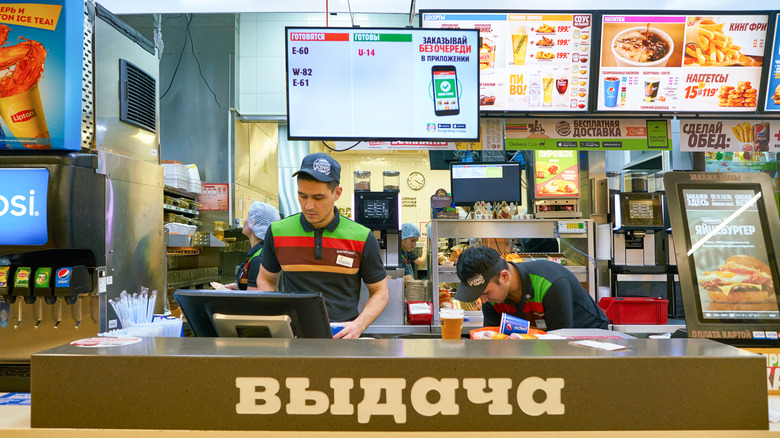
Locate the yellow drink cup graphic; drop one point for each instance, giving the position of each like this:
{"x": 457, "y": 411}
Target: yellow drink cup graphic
{"x": 23, "y": 113}
{"x": 547, "y": 87}
{"x": 519, "y": 46}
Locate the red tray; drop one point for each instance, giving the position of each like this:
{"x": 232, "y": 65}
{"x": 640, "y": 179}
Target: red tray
{"x": 635, "y": 310}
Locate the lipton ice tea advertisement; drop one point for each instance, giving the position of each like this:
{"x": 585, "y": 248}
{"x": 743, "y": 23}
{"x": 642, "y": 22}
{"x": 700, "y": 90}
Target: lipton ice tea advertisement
{"x": 557, "y": 174}
{"x": 35, "y": 84}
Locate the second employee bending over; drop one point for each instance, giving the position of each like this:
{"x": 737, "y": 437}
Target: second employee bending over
{"x": 320, "y": 251}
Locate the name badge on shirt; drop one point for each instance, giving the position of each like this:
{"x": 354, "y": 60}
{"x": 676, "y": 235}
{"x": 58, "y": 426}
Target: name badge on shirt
{"x": 345, "y": 261}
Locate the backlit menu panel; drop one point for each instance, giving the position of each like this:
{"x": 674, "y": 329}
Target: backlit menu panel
{"x": 529, "y": 61}
{"x": 684, "y": 63}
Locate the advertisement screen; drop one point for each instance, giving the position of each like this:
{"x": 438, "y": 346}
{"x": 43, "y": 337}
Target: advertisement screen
{"x": 556, "y": 174}
{"x": 528, "y": 61}
{"x": 681, "y": 63}
{"x": 23, "y": 206}
{"x": 382, "y": 84}
{"x": 730, "y": 255}
{"x": 773, "y": 81}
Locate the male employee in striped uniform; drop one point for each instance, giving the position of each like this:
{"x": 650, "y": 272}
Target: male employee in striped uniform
{"x": 320, "y": 251}
{"x": 544, "y": 293}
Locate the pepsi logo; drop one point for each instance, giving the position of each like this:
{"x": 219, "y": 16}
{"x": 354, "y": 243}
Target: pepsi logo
{"x": 63, "y": 273}
{"x": 760, "y": 129}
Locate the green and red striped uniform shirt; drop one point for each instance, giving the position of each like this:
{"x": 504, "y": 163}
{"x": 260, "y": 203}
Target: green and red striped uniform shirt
{"x": 331, "y": 260}
{"x": 552, "y": 299}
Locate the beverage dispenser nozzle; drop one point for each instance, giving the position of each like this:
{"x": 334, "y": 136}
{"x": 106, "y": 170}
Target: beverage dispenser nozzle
{"x": 78, "y": 312}
{"x": 19, "y": 308}
{"x": 59, "y": 312}
{"x": 38, "y": 311}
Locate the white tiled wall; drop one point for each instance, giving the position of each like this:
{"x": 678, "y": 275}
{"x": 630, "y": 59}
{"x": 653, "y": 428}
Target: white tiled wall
{"x": 261, "y": 75}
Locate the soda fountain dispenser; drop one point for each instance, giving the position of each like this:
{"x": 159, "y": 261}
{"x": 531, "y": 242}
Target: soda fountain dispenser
{"x": 81, "y": 193}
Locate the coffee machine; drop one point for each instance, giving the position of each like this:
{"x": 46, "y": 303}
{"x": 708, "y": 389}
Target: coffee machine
{"x": 638, "y": 266}
{"x": 381, "y": 212}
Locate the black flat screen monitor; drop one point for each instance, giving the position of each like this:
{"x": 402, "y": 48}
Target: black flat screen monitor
{"x": 255, "y": 314}
{"x": 488, "y": 182}
{"x": 725, "y": 229}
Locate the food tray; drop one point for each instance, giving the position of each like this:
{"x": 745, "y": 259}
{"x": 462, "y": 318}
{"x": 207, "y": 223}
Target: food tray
{"x": 635, "y": 310}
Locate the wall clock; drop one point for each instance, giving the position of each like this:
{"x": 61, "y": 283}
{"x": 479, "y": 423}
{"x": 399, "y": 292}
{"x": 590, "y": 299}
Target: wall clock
{"x": 416, "y": 181}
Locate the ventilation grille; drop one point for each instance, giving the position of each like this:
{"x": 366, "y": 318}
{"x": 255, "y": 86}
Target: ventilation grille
{"x": 137, "y": 96}
{"x": 87, "y": 85}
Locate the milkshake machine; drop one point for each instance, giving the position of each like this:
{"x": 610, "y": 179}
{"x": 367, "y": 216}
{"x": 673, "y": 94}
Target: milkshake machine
{"x": 81, "y": 192}
{"x": 380, "y": 212}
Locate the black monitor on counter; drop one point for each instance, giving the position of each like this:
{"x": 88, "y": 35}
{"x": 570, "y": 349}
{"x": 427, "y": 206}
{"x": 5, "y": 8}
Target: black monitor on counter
{"x": 213, "y": 313}
{"x": 725, "y": 228}
{"x": 488, "y": 182}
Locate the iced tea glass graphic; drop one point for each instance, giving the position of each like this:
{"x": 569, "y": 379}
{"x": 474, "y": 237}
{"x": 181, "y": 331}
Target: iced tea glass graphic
{"x": 21, "y": 67}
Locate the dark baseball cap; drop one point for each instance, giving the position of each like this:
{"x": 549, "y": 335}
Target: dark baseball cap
{"x": 473, "y": 287}
{"x": 320, "y": 166}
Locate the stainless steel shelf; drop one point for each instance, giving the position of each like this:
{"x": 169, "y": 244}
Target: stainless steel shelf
{"x": 180, "y": 209}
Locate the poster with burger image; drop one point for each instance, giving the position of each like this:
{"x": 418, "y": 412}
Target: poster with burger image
{"x": 729, "y": 254}
{"x": 556, "y": 174}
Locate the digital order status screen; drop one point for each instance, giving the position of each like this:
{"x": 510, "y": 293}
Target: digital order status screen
{"x": 382, "y": 84}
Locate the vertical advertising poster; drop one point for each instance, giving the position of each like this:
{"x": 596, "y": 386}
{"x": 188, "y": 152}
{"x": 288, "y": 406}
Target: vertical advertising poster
{"x": 773, "y": 81}
{"x": 681, "y": 63}
{"x": 556, "y": 174}
{"x": 527, "y": 61}
{"x": 41, "y": 47}
{"x": 729, "y": 250}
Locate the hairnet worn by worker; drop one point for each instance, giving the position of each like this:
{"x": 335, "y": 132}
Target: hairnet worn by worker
{"x": 410, "y": 234}
{"x": 258, "y": 218}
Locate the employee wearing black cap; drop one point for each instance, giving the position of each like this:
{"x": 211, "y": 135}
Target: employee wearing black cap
{"x": 544, "y": 293}
{"x": 320, "y": 251}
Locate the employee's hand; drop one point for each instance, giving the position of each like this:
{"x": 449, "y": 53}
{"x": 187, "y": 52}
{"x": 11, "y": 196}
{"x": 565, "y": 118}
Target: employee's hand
{"x": 351, "y": 330}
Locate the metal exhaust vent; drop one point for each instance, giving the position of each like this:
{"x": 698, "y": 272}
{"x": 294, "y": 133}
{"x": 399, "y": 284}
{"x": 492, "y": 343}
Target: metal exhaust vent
{"x": 137, "y": 97}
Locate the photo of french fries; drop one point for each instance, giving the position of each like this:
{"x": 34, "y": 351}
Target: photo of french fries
{"x": 544, "y": 28}
{"x": 545, "y": 55}
{"x": 710, "y": 46}
{"x": 742, "y": 95}
{"x": 743, "y": 132}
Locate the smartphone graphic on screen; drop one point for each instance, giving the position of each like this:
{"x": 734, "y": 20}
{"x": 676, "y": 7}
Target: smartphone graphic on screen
{"x": 445, "y": 90}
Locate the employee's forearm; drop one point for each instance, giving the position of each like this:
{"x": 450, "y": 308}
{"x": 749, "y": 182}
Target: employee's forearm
{"x": 374, "y": 307}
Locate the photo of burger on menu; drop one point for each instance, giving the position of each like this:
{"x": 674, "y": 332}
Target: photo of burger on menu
{"x": 729, "y": 254}
{"x": 742, "y": 282}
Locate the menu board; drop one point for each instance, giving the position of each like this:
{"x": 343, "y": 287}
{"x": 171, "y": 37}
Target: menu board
{"x": 528, "y": 61}
{"x": 729, "y": 253}
{"x": 680, "y": 63}
{"x": 382, "y": 84}
{"x": 773, "y": 81}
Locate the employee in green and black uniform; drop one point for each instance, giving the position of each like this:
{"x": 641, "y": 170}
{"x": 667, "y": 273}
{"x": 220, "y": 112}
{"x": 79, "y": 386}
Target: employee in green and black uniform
{"x": 544, "y": 293}
{"x": 320, "y": 251}
{"x": 258, "y": 219}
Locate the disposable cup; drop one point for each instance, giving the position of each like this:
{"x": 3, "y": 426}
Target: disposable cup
{"x": 512, "y": 324}
{"x": 451, "y": 323}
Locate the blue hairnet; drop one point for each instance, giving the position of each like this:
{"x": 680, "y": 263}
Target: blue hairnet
{"x": 260, "y": 216}
{"x": 409, "y": 230}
